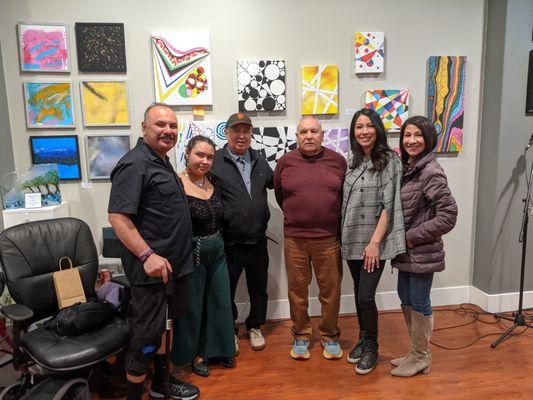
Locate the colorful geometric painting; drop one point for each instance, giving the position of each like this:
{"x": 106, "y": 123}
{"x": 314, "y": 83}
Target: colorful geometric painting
{"x": 103, "y": 153}
{"x": 101, "y": 47}
{"x": 43, "y": 48}
{"x": 187, "y": 129}
{"x": 320, "y": 89}
{"x": 369, "y": 52}
{"x": 48, "y": 105}
{"x": 104, "y": 103}
{"x": 274, "y": 142}
{"x": 337, "y": 139}
{"x": 391, "y": 105}
{"x": 60, "y": 150}
{"x": 261, "y": 85}
{"x": 445, "y": 101}
{"x": 182, "y": 68}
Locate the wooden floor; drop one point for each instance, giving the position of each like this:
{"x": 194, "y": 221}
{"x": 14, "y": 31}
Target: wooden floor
{"x": 476, "y": 372}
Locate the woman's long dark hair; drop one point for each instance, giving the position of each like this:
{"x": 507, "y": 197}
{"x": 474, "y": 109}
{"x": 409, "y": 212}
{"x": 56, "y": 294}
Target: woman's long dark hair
{"x": 380, "y": 152}
{"x": 428, "y": 132}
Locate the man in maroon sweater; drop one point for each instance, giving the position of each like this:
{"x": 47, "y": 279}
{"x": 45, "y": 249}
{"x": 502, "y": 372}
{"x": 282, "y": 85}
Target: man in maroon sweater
{"x": 308, "y": 186}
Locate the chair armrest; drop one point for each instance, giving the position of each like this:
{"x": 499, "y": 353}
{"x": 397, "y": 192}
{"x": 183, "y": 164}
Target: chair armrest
{"x": 17, "y": 312}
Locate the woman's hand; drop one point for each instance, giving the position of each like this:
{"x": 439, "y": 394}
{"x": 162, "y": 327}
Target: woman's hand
{"x": 371, "y": 256}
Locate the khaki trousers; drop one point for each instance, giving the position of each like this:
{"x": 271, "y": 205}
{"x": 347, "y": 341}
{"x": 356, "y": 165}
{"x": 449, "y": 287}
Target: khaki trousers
{"x": 323, "y": 255}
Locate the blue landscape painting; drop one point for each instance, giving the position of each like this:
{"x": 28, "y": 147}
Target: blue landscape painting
{"x": 60, "y": 150}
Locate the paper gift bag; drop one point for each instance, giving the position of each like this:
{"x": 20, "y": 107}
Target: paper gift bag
{"x": 67, "y": 281}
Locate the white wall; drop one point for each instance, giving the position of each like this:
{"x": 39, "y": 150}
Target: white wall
{"x": 301, "y": 32}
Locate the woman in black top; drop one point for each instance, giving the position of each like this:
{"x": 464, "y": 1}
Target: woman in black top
{"x": 204, "y": 335}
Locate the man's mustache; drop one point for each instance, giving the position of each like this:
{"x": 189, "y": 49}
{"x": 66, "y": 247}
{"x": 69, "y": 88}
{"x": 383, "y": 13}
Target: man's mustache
{"x": 167, "y": 136}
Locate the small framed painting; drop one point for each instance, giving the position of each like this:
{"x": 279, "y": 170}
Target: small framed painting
{"x": 61, "y": 150}
{"x": 103, "y": 153}
{"x": 104, "y": 103}
{"x": 43, "y": 47}
{"x": 48, "y": 105}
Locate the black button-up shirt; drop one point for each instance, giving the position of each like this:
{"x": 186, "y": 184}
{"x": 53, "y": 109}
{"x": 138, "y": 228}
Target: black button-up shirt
{"x": 146, "y": 187}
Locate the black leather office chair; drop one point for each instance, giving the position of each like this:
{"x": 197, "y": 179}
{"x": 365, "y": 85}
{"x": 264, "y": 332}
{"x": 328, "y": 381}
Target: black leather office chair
{"x": 29, "y": 254}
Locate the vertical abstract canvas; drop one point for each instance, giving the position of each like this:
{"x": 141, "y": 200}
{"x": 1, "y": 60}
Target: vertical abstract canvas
{"x": 261, "y": 85}
{"x": 445, "y": 100}
{"x": 48, "y": 105}
{"x": 182, "y": 68}
{"x": 101, "y": 47}
{"x": 43, "y": 48}
{"x": 187, "y": 129}
{"x": 274, "y": 142}
{"x": 60, "y": 150}
{"x": 337, "y": 139}
{"x": 104, "y": 103}
{"x": 391, "y": 105}
{"x": 369, "y": 52}
{"x": 320, "y": 89}
{"x": 103, "y": 153}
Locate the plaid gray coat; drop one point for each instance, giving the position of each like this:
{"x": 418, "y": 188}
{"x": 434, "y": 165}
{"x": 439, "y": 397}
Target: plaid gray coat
{"x": 365, "y": 195}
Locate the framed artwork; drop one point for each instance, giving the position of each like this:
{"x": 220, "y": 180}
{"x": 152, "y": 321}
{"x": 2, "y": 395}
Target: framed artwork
{"x": 104, "y": 103}
{"x": 61, "y": 150}
{"x": 337, "y": 139}
{"x": 103, "y": 153}
{"x": 369, "y": 52}
{"x": 43, "y": 47}
{"x": 392, "y": 105}
{"x": 261, "y": 85}
{"x": 182, "y": 68}
{"x": 529, "y": 94}
{"x": 320, "y": 89}
{"x": 100, "y": 47}
{"x": 274, "y": 142}
{"x": 445, "y": 100}
{"x": 48, "y": 104}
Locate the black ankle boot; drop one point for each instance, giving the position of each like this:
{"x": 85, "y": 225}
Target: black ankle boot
{"x": 357, "y": 352}
{"x": 369, "y": 359}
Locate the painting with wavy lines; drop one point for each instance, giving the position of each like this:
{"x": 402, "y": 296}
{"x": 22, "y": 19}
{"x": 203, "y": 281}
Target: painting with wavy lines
{"x": 48, "y": 105}
{"x": 182, "y": 68}
{"x": 445, "y": 100}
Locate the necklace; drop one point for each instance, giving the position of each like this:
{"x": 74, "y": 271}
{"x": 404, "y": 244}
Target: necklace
{"x": 200, "y": 185}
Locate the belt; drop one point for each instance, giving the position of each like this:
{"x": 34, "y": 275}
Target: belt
{"x": 197, "y": 247}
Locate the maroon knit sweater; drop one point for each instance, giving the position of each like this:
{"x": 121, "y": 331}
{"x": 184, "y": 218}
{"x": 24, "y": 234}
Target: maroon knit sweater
{"x": 309, "y": 191}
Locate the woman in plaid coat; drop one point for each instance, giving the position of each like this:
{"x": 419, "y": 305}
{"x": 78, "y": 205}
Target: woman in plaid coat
{"x": 372, "y": 228}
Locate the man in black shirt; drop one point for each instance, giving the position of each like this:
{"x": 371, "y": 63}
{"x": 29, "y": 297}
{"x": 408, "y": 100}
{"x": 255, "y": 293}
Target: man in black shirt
{"x": 148, "y": 211}
{"x": 243, "y": 175}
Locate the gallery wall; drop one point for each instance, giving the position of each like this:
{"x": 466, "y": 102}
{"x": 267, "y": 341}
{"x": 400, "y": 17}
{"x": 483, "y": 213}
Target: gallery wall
{"x": 505, "y": 132}
{"x": 299, "y": 32}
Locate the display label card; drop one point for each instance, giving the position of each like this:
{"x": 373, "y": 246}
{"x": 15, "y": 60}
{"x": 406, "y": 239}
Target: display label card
{"x": 32, "y": 200}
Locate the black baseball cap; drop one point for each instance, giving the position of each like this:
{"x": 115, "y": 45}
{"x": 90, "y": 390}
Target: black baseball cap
{"x": 238, "y": 118}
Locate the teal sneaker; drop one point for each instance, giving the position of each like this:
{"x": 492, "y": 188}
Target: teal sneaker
{"x": 332, "y": 350}
{"x": 300, "y": 349}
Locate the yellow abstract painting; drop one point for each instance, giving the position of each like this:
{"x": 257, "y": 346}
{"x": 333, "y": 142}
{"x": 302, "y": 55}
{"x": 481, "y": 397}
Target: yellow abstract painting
{"x": 320, "y": 89}
{"x": 105, "y": 103}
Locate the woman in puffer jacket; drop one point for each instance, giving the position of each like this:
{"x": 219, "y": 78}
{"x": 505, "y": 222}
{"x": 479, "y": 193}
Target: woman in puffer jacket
{"x": 430, "y": 212}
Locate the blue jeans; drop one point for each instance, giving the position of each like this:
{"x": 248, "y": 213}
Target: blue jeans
{"x": 414, "y": 290}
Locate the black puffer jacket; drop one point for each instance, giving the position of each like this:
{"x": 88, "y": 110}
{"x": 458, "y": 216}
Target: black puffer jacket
{"x": 429, "y": 211}
{"x": 245, "y": 216}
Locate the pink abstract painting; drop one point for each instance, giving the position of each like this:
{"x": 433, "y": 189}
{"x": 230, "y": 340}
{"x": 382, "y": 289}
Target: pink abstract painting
{"x": 43, "y": 48}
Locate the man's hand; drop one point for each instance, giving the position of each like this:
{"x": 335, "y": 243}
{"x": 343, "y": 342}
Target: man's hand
{"x": 156, "y": 265}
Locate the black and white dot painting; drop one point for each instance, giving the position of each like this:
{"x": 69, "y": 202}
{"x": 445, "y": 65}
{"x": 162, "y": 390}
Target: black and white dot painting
{"x": 261, "y": 85}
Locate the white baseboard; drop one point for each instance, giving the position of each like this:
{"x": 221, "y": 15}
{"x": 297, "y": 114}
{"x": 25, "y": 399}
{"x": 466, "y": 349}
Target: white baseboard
{"x": 279, "y": 309}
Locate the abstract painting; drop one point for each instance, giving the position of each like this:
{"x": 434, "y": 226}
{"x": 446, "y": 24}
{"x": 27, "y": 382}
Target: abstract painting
{"x": 60, "y": 150}
{"x": 101, "y": 47}
{"x": 182, "y": 68}
{"x": 103, "y": 153}
{"x": 369, "y": 52}
{"x": 391, "y": 105}
{"x": 44, "y": 48}
{"x": 187, "y": 129}
{"x": 337, "y": 139}
{"x": 320, "y": 89}
{"x": 274, "y": 142}
{"x": 104, "y": 103}
{"x": 48, "y": 105}
{"x": 261, "y": 85}
{"x": 445, "y": 100}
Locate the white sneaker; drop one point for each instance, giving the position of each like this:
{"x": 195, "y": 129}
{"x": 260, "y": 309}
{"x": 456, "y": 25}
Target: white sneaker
{"x": 256, "y": 338}
{"x": 236, "y": 345}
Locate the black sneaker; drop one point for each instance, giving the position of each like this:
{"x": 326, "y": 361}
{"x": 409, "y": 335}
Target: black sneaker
{"x": 369, "y": 359}
{"x": 178, "y": 390}
{"x": 357, "y": 352}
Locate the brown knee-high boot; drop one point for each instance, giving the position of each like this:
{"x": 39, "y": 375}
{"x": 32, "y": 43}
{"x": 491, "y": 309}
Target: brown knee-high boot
{"x": 419, "y": 358}
{"x": 407, "y": 317}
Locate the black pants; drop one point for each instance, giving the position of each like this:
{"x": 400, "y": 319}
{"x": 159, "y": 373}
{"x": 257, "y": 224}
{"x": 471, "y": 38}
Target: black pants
{"x": 253, "y": 259}
{"x": 364, "y": 288}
